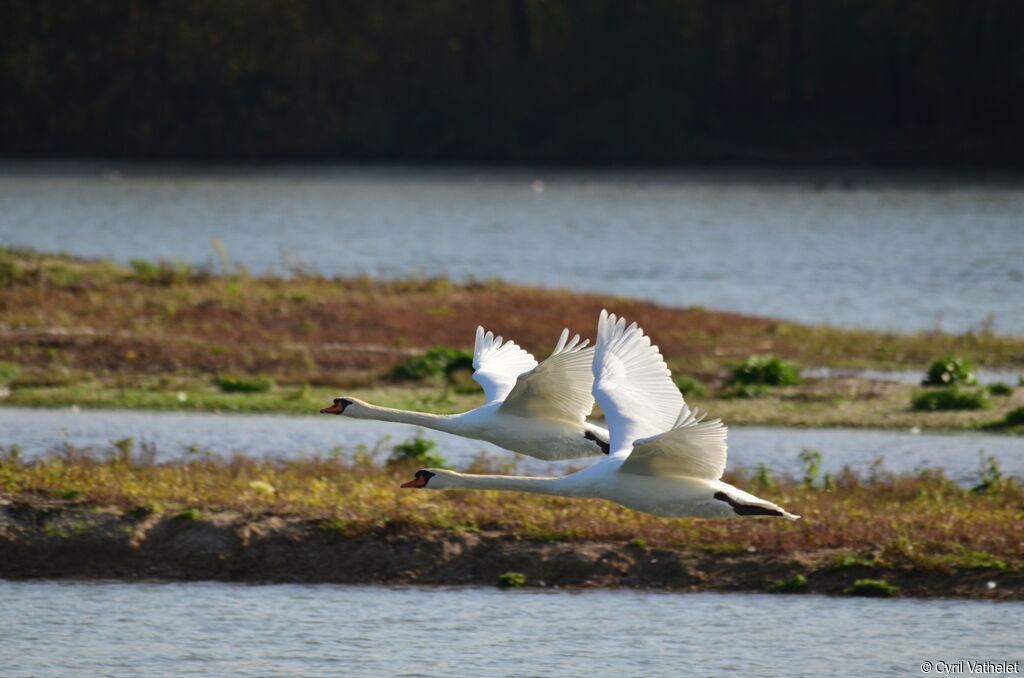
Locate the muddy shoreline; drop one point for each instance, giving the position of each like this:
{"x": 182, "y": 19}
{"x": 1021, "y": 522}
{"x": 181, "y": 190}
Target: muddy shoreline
{"x": 51, "y": 539}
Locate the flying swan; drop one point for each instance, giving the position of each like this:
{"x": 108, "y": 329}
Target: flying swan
{"x": 535, "y": 409}
{"x": 664, "y": 460}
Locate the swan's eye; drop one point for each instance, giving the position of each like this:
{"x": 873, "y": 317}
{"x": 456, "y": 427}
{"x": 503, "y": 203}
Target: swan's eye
{"x": 344, "y": 402}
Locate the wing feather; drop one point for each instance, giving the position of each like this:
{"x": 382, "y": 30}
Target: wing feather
{"x": 559, "y": 388}
{"x": 632, "y": 384}
{"x": 497, "y": 363}
{"x": 693, "y": 447}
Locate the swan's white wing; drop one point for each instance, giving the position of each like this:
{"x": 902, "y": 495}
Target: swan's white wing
{"x": 632, "y": 384}
{"x": 692, "y": 447}
{"x": 497, "y": 363}
{"x": 558, "y": 388}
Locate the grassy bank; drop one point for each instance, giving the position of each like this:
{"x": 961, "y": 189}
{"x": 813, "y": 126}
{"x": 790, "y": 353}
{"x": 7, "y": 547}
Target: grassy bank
{"x": 920, "y": 531}
{"x": 161, "y": 335}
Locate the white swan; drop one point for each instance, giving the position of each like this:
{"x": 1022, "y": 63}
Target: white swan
{"x": 664, "y": 459}
{"x": 538, "y": 410}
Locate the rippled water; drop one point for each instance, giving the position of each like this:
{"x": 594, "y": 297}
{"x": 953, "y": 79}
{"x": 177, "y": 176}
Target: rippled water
{"x": 52, "y": 629}
{"x": 37, "y": 431}
{"x": 846, "y": 248}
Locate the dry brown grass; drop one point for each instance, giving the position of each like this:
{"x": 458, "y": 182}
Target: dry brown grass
{"x": 62, "y": 314}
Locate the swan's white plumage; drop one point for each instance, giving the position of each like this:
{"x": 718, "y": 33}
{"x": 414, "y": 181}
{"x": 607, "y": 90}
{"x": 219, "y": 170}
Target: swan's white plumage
{"x": 497, "y": 364}
{"x": 692, "y": 447}
{"x": 632, "y": 384}
{"x": 558, "y": 388}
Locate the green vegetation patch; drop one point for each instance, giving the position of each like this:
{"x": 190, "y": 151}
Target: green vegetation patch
{"x": 873, "y": 588}
{"x": 950, "y": 398}
{"x": 950, "y": 370}
{"x": 8, "y": 371}
{"x": 1000, "y": 389}
{"x": 242, "y": 384}
{"x": 798, "y": 584}
{"x": 416, "y": 451}
{"x": 511, "y": 580}
{"x": 438, "y": 361}
{"x": 690, "y": 386}
{"x": 766, "y": 371}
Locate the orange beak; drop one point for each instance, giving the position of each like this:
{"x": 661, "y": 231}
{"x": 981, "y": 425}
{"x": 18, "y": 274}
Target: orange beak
{"x": 418, "y": 481}
{"x": 337, "y": 408}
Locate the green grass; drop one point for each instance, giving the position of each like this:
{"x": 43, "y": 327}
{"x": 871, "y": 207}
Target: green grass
{"x": 950, "y": 398}
{"x": 875, "y": 588}
{"x": 512, "y": 580}
{"x": 243, "y": 384}
{"x": 798, "y": 584}
{"x": 759, "y": 370}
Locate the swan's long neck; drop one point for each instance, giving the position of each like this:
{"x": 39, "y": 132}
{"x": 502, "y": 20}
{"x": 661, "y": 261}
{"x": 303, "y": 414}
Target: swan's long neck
{"x": 538, "y": 485}
{"x": 439, "y": 422}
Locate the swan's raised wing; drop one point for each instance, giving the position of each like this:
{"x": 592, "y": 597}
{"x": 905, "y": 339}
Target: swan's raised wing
{"x": 497, "y": 363}
{"x": 692, "y": 447}
{"x": 632, "y": 384}
{"x": 558, "y": 388}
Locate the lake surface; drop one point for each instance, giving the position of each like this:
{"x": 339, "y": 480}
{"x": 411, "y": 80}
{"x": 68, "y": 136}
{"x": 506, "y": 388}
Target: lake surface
{"x": 58, "y": 629}
{"x": 38, "y": 431}
{"x": 848, "y": 248}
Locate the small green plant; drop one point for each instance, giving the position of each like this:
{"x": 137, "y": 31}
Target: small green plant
{"x": 950, "y": 370}
{"x": 690, "y": 386}
{"x": 763, "y": 477}
{"x": 745, "y": 391}
{"x": 1014, "y": 417}
{"x": 8, "y": 371}
{"x": 238, "y": 384}
{"x": 67, "y": 493}
{"x": 877, "y": 588}
{"x": 162, "y": 272}
{"x": 999, "y": 388}
{"x": 797, "y": 584}
{"x": 990, "y": 475}
{"x": 416, "y": 450}
{"x": 640, "y": 543}
{"x": 811, "y": 459}
{"x": 511, "y": 580}
{"x": 436, "y": 362}
{"x": 189, "y": 514}
{"x": 950, "y": 398}
{"x": 766, "y": 371}
{"x": 848, "y": 561}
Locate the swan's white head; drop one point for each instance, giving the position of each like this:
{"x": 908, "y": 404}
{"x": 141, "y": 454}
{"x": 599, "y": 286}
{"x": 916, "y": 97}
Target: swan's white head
{"x": 351, "y": 407}
{"x": 436, "y": 478}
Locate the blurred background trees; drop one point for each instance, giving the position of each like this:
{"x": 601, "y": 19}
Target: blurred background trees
{"x": 577, "y": 81}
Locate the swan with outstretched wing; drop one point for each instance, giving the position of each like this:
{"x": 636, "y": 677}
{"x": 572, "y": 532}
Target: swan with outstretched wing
{"x": 663, "y": 459}
{"x": 535, "y": 409}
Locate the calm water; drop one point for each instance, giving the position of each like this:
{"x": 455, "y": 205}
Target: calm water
{"x": 851, "y": 249}
{"x": 38, "y": 431}
{"x": 52, "y": 629}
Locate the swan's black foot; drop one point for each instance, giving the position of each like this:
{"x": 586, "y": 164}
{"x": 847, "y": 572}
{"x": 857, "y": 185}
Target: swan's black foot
{"x": 746, "y": 509}
{"x": 603, "y": 444}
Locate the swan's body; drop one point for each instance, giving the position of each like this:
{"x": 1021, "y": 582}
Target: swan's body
{"x": 664, "y": 460}
{"x": 534, "y": 409}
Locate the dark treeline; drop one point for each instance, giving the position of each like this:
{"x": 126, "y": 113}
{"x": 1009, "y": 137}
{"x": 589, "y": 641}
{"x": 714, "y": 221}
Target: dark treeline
{"x": 884, "y": 81}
